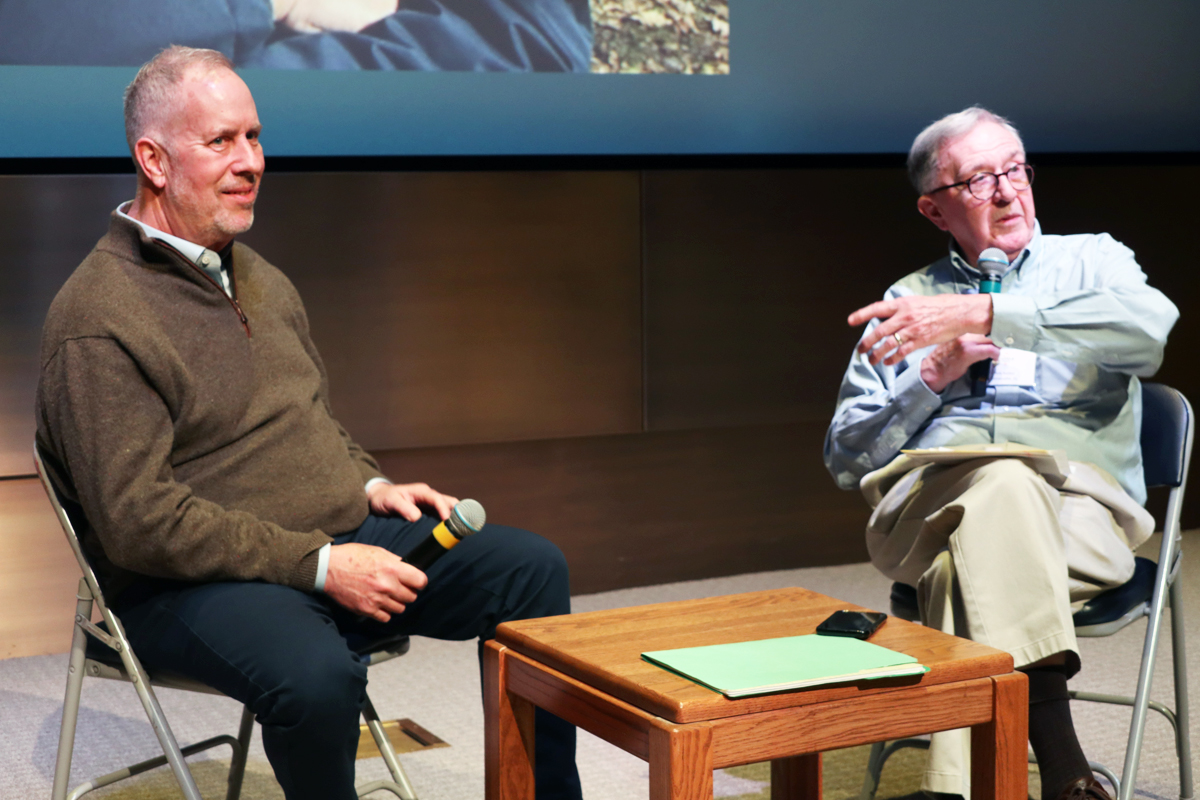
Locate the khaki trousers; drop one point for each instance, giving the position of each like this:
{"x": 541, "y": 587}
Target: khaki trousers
{"x": 999, "y": 553}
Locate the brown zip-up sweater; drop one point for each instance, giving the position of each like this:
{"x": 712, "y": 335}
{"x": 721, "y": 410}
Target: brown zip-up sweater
{"x": 194, "y": 432}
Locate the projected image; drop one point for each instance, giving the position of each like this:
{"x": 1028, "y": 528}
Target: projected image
{"x": 433, "y": 35}
{"x": 686, "y": 36}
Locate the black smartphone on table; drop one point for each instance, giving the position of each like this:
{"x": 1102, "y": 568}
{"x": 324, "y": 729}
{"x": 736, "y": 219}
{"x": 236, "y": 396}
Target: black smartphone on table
{"x": 856, "y": 624}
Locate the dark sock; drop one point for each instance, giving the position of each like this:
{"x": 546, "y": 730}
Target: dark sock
{"x": 1052, "y": 734}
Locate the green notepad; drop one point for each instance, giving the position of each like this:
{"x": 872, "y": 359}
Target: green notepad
{"x": 741, "y": 669}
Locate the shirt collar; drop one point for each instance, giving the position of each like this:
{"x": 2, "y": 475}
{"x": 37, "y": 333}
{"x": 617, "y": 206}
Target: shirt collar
{"x": 1032, "y": 252}
{"x": 199, "y": 255}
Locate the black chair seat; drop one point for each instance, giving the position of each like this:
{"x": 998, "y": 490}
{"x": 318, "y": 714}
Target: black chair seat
{"x": 1116, "y": 603}
{"x": 397, "y": 644}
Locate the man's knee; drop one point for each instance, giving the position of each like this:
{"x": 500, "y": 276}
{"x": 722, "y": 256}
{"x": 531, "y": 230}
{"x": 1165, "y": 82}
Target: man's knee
{"x": 553, "y": 576}
{"x": 540, "y": 578}
{"x": 318, "y": 688}
{"x": 1010, "y": 475}
{"x": 543, "y": 558}
{"x": 1008, "y": 489}
{"x": 1007, "y": 534}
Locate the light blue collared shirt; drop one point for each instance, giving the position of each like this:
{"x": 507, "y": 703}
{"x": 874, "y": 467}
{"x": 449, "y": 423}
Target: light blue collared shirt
{"x": 201, "y": 256}
{"x": 1081, "y": 303}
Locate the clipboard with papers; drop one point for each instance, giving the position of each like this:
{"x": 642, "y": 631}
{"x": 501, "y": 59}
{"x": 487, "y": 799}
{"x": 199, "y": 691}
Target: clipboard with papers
{"x": 1046, "y": 462}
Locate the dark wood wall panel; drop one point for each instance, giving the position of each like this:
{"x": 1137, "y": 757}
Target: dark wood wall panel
{"x": 504, "y": 312}
{"x": 639, "y": 509}
{"x": 47, "y": 225}
{"x": 467, "y": 307}
{"x": 750, "y": 278}
{"x": 480, "y": 307}
{"x": 449, "y": 307}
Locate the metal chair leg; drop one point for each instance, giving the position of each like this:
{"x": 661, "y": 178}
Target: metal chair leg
{"x": 880, "y": 753}
{"x": 237, "y": 764}
{"x": 1137, "y": 725}
{"x": 1099, "y": 769}
{"x": 66, "y": 734}
{"x": 1183, "y": 741}
{"x": 158, "y": 720}
{"x": 402, "y": 783}
{"x": 147, "y": 765}
{"x": 874, "y": 770}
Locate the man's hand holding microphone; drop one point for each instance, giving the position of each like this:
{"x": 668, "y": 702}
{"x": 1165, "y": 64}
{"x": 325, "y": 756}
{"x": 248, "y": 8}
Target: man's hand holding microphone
{"x": 377, "y": 583}
{"x": 958, "y": 324}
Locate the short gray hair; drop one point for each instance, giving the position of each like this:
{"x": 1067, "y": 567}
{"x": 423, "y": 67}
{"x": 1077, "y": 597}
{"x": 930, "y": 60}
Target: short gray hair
{"x": 152, "y": 88}
{"x": 924, "y": 157}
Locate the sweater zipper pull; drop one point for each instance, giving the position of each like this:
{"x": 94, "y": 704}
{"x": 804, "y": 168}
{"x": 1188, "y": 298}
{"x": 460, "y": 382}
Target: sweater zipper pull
{"x": 241, "y": 316}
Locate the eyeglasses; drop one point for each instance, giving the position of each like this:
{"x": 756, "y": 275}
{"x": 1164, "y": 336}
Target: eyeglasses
{"x": 982, "y": 185}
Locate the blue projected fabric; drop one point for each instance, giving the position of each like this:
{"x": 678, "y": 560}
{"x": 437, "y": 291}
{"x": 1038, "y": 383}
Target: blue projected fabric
{"x": 459, "y": 35}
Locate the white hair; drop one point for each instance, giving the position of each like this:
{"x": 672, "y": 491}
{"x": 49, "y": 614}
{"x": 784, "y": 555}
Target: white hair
{"x": 151, "y": 93}
{"x": 925, "y": 155}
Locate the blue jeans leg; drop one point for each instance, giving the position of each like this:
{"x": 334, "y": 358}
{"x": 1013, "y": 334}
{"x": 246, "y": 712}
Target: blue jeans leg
{"x": 497, "y": 575}
{"x": 288, "y": 655}
{"x": 279, "y": 652}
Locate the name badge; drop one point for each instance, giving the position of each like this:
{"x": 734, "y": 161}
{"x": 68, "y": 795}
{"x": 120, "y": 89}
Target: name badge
{"x": 1014, "y": 368}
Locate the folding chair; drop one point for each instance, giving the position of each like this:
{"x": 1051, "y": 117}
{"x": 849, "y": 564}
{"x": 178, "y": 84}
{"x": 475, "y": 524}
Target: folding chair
{"x": 103, "y": 651}
{"x": 1166, "y": 441}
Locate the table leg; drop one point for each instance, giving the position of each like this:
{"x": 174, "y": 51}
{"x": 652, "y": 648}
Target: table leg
{"x": 796, "y": 778}
{"x": 681, "y": 763}
{"x": 507, "y": 734}
{"x": 999, "y": 761}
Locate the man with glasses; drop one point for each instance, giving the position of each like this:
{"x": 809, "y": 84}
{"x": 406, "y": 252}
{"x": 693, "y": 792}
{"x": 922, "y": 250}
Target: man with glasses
{"x": 1059, "y": 329}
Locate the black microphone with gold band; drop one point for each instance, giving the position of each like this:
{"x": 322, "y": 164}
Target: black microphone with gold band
{"x": 467, "y": 517}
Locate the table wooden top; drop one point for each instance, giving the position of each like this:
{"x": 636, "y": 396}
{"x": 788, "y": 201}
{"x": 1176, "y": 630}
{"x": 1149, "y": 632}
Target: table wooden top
{"x": 603, "y": 649}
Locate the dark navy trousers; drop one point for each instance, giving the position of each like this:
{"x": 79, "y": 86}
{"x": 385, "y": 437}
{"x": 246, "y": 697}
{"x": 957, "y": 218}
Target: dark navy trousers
{"x": 284, "y": 653}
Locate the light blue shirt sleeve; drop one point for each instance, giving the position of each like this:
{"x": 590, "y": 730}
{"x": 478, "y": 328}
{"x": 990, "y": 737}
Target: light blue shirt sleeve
{"x": 1094, "y": 308}
{"x": 374, "y": 481}
{"x": 879, "y": 409}
{"x": 322, "y": 567}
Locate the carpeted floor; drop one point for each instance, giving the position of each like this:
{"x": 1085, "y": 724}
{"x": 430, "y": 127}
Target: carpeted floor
{"x": 113, "y": 732}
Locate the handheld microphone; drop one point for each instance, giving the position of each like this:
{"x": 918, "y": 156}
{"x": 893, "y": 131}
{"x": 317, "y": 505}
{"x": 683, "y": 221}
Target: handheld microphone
{"x": 992, "y": 263}
{"x": 466, "y": 518}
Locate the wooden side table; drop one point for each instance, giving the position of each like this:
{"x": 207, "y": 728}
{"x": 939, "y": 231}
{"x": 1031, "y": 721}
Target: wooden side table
{"x": 587, "y": 669}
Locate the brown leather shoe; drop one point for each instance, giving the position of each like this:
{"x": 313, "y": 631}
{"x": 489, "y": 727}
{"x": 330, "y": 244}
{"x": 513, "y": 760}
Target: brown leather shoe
{"x": 1085, "y": 789}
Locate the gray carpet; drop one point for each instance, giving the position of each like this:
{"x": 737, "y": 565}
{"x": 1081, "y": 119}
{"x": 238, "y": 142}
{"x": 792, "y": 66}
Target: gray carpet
{"x": 113, "y": 732}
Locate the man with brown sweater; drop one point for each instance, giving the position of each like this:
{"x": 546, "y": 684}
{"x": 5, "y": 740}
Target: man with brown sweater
{"x": 240, "y": 533}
